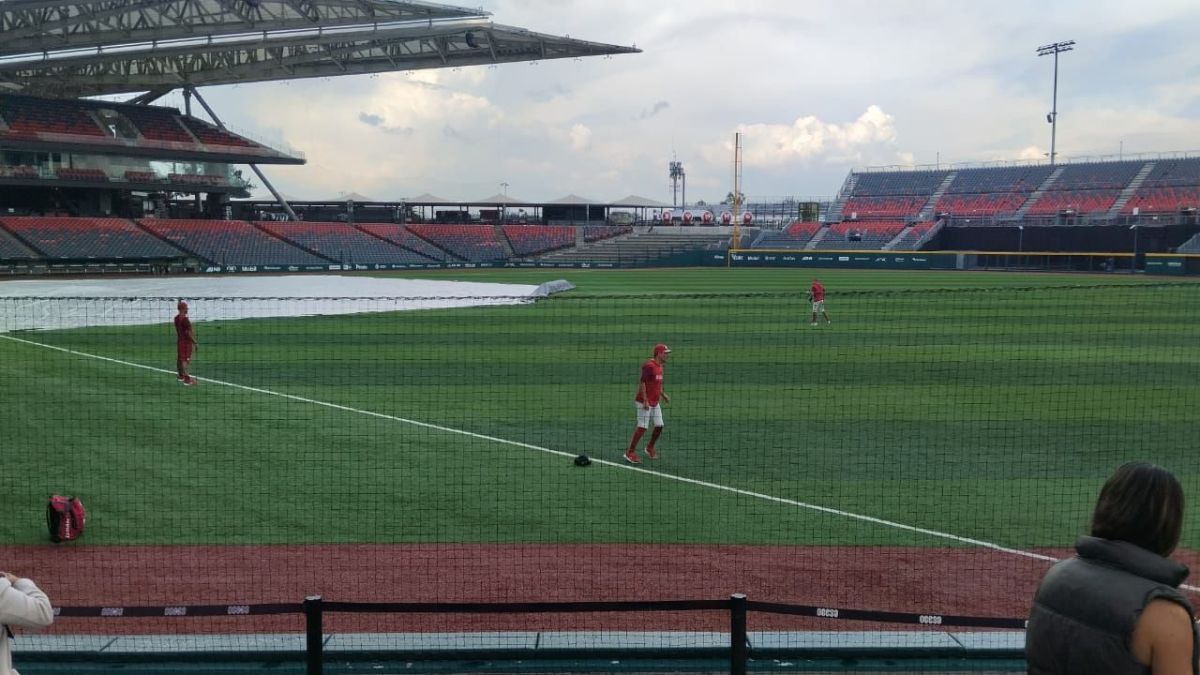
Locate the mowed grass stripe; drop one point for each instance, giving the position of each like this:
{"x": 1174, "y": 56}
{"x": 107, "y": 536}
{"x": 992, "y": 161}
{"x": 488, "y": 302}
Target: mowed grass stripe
{"x": 993, "y": 415}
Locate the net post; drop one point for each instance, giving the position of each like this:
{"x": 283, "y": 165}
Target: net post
{"x": 314, "y": 638}
{"x": 737, "y": 634}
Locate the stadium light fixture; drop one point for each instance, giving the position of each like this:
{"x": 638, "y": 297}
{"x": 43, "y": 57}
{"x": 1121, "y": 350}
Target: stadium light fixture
{"x": 1055, "y": 49}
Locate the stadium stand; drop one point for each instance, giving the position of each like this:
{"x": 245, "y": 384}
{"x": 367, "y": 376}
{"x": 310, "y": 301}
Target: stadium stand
{"x": 1086, "y": 188}
{"x": 80, "y": 174}
{"x": 400, "y": 236}
{"x": 230, "y": 242}
{"x": 1171, "y": 185}
{"x": 641, "y": 248}
{"x": 210, "y": 135}
{"x": 89, "y": 238}
{"x": 197, "y": 180}
{"x": 13, "y": 249}
{"x": 890, "y": 194}
{"x": 796, "y": 235}
{"x": 141, "y": 176}
{"x": 593, "y": 233}
{"x": 991, "y": 191}
{"x": 157, "y": 124}
{"x": 860, "y": 235}
{"x": 26, "y": 114}
{"x": 343, "y": 242}
{"x": 911, "y": 236}
{"x": 529, "y": 240}
{"x": 474, "y": 243}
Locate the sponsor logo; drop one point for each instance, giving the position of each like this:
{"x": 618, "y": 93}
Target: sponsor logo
{"x": 293, "y": 268}
{"x": 335, "y": 268}
{"x": 920, "y": 260}
{"x": 249, "y": 268}
{"x": 827, "y": 613}
{"x": 807, "y": 258}
{"x": 381, "y": 267}
{"x": 112, "y": 611}
{"x": 789, "y": 258}
{"x": 930, "y": 620}
{"x": 900, "y": 260}
{"x": 768, "y": 258}
{"x": 1174, "y": 264}
{"x": 470, "y": 265}
{"x": 212, "y": 269}
{"x": 586, "y": 265}
{"x": 881, "y": 260}
{"x": 234, "y": 610}
{"x": 843, "y": 258}
{"x": 174, "y": 611}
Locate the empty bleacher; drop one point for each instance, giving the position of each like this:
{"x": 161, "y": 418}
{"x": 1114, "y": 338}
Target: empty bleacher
{"x": 66, "y": 173}
{"x": 527, "y": 240}
{"x": 1086, "y": 188}
{"x": 12, "y": 249}
{"x": 911, "y": 236}
{"x": 890, "y": 194}
{"x": 991, "y": 191}
{"x": 641, "y": 248}
{"x": 796, "y": 235}
{"x": 211, "y": 135}
{"x": 230, "y": 242}
{"x": 26, "y": 114}
{"x": 344, "y": 243}
{"x": 89, "y": 238}
{"x": 848, "y": 235}
{"x": 593, "y": 233}
{"x": 1172, "y": 185}
{"x": 157, "y": 124}
{"x": 400, "y": 236}
{"x": 474, "y": 243}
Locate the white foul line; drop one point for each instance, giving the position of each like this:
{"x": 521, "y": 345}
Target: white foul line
{"x": 504, "y": 441}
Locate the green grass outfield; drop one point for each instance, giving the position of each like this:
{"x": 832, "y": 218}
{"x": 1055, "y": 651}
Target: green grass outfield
{"x": 981, "y": 405}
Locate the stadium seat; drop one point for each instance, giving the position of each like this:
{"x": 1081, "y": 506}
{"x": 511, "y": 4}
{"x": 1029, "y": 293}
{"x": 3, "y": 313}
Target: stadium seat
{"x": 90, "y": 238}
{"x": 527, "y": 240}
{"x": 474, "y": 243}
{"x": 344, "y": 243}
{"x": 230, "y": 242}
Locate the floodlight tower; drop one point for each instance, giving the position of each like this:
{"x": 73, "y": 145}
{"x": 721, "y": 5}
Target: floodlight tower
{"x": 1055, "y": 49}
{"x": 735, "y": 239}
{"x": 677, "y": 174}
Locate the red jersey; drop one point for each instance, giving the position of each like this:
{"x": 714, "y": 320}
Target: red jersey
{"x": 652, "y": 378}
{"x": 183, "y": 329}
{"x": 818, "y": 292}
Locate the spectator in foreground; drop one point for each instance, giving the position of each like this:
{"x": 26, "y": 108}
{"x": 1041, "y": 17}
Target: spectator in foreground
{"x": 23, "y": 604}
{"x": 1115, "y": 607}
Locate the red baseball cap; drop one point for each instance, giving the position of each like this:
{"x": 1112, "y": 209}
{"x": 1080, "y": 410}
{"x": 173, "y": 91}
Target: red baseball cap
{"x": 661, "y": 348}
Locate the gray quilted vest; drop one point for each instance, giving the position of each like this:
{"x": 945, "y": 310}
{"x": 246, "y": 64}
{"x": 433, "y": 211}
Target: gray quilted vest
{"x": 1087, "y": 606}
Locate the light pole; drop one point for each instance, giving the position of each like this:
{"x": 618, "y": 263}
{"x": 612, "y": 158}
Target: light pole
{"x": 1020, "y": 239}
{"x": 1055, "y": 49}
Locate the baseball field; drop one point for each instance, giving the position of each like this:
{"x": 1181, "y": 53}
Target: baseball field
{"x": 934, "y": 448}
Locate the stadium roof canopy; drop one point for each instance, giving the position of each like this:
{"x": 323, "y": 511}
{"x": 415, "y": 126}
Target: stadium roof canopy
{"x": 100, "y": 47}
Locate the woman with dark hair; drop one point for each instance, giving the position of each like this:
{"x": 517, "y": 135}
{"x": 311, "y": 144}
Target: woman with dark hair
{"x": 1115, "y": 607}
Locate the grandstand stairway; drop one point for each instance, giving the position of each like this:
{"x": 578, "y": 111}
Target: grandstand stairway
{"x": 902, "y": 234}
{"x": 1191, "y": 245}
{"x": 501, "y": 237}
{"x": 926, "y": 213}
{"x": 839, "y": 205}
{"x": 1130, "y": 190}
{"x": 816, "y": 240}
{"x": 1041, "y": 189}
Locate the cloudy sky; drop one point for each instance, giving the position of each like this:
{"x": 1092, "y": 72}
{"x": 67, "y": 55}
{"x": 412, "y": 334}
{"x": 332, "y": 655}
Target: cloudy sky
{"x": 816, "y": 87}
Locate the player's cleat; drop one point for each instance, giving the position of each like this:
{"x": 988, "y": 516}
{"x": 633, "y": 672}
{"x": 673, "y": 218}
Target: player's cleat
{"x": 180, "y": 378}
{"x": 652, "y": 453}
{"x": 814, "y": 323}
{"x": 632, "y": 458}
{"x": 191, "y": 381}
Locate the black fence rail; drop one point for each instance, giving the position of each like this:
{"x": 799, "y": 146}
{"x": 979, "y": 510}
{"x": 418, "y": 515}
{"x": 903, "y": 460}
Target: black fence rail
{"x": 314, "y": 609}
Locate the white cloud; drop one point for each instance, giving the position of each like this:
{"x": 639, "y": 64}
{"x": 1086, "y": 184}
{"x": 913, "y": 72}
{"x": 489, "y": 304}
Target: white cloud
{"x": 581, "y": 137}
{"x": 772, "y": 145}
